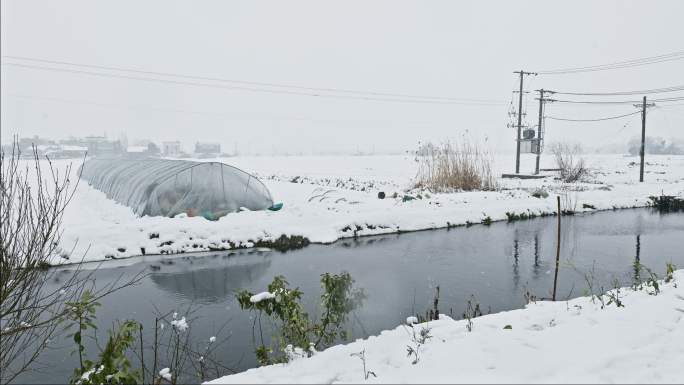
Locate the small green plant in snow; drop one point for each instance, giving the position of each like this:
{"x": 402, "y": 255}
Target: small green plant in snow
{"x": 297, "y": 331}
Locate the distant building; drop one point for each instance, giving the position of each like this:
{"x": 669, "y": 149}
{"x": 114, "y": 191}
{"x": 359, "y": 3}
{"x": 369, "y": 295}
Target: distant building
{"x": 141, "y": 142}
{"x": 101, "y": 146}
{"x": 150, "y": 150}
{"x": 153, "y": 149}
{"x": 72, "y": 141}
{"x": 207, "y": 149}
{"x": 42, "y": 144}
{"x": 136, "y": 149}
{"x": 67, "y": 152}
{"x": 171, "y": 148}
{"x": 44, "y": 149}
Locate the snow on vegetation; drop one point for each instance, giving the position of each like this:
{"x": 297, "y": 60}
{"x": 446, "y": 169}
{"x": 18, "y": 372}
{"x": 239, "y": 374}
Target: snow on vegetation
{"x": 624, "y": 336}
{"x": 256, "y": 298}
{"x": 166, "y": 374}
{"x": 180, "y": 324}
{"x": 331, "y": 197}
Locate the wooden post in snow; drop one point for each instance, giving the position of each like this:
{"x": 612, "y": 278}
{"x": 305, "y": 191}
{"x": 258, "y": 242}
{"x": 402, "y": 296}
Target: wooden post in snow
{"x": 558, "y": 245}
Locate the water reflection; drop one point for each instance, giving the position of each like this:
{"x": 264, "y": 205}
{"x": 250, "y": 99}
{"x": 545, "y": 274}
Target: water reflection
{"x": 526, "y": 244}
{"x": 208, "y": 284}
{"x": 366, "y": 241}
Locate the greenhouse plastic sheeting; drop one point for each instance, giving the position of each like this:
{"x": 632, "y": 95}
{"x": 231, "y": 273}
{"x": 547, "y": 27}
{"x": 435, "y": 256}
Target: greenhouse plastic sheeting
{"x": 161, "y": 187}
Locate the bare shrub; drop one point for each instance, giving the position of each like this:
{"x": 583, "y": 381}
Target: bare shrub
{"x": 362, "y": 356}
{"x": 449, "y": 167}
{"x": 31, "y": 209}
{"x": 569, "y": 200}
{"x": 569, "y": 162}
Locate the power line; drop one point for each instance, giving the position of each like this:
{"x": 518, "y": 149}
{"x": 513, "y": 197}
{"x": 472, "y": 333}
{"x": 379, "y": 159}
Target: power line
{"x": 252, "y": 83}
{"x": 672, "y": 99}
{"x": 593, "y": 120}
{"x": 596, "y": 102}
{"x": 671, "y": 105}
{"x": 229, "y": 116}
{"x": 678, "y": 55}
{"x": 259, "y": 90}
{"x": 623, "y": 93}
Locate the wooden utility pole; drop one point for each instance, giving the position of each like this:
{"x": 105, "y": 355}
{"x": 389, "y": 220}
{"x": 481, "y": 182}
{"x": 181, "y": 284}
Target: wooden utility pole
{"x": 520, "y": 96}
{"x": 642, "y": 149}
{"x": 539, "y": 130}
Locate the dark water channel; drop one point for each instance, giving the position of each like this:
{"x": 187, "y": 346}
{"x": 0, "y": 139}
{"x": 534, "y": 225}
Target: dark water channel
{"x": 494, "y": 263}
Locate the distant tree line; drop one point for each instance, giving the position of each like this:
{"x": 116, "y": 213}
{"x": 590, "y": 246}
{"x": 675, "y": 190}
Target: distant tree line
{"x": 656, "y": 145}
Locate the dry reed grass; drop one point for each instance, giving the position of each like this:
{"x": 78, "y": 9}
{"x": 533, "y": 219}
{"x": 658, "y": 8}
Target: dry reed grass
{"x": 452, "y": 167}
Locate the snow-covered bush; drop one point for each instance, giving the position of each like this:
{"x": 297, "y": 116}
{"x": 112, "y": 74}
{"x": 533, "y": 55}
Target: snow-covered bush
{"x": 452, "y": 167}
{"x": 569, "y": 162}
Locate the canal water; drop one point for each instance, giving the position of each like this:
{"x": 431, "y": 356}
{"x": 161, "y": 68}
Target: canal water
{"x": 496, "y": 264}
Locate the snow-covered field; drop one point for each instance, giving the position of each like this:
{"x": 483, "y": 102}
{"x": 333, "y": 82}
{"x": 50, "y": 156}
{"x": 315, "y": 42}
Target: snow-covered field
{"x": 330, "y": 197}
{"x": 576, "y": 341}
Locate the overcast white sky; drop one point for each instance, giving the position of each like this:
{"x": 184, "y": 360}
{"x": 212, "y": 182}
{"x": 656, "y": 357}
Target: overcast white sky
{"x": 440, "y": 48}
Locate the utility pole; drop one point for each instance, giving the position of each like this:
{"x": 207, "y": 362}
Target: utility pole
{"x": 642, "y": 149}
{"x": 539, "y": 130}
{"x": 520, "y": 95}
{"x": 540, "y": 125}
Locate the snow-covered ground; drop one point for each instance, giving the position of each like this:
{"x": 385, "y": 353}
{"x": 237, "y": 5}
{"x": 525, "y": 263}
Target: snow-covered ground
{"x": 576, "y": 341}
{"x": 329, "y": 197}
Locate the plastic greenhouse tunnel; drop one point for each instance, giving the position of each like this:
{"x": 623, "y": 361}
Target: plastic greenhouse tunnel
{"x": 160, "y": 187}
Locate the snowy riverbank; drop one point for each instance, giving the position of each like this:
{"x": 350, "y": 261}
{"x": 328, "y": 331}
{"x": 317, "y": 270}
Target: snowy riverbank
{"x": 331, "y": 197}
{"x": 574, "y": 341}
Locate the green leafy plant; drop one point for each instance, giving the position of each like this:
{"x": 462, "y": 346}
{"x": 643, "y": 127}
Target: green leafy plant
{"x": 112, "y": 365}
{"x": 298, "y": 333}
{"x": 669, "y": 272}
{"x": 650, "y": 282}
{"x": 82, "y": 313}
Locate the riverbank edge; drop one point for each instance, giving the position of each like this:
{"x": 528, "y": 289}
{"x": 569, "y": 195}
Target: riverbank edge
{"x": 287, "y": 242}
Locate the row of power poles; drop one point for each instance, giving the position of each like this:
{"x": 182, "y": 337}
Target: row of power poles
{"x": 540, "y": 132}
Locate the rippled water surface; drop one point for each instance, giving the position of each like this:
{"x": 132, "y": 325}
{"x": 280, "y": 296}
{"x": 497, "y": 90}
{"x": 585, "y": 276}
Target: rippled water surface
{"x": 494, "y": 263}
